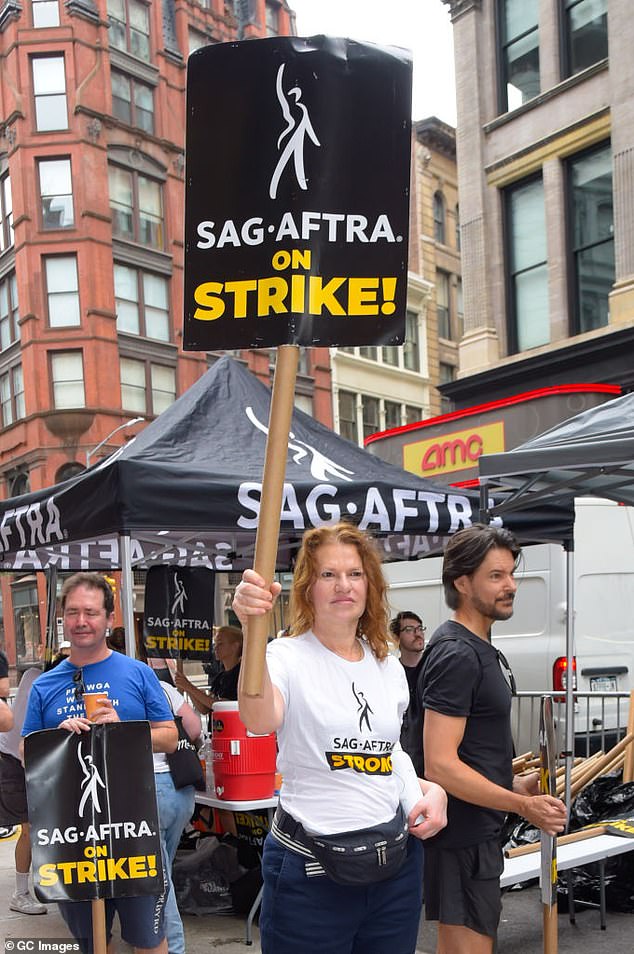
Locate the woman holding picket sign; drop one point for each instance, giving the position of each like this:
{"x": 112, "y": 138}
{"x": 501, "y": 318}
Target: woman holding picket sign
{"x": 340, "y": 873}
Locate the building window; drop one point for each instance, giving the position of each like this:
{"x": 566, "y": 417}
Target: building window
{"x": 142, "y": 303}
{"x": 196, "y": 40}
{"x": 369, "y": 352}
{"x": 132, "y": 101}
{"x": 413, "y": 414}
{"x": 439, "y": 218}
{"x": 49, "y": 90}
{"x": 458, "y": 237}
{"x": 9, "y": 313}
{"x": 56, "y": 193}
{"x": 62, "y": 290}
{"x": 6, "y": 213}
{"x": 67, "y": 375}
{"x": 137, "y": 207}
{"x": 527, "y": 266}
{"x": 370, "y": 415}
{"x": 18, "y": 483}
{"x": 12, "y": 395}
{"x": 392, "y": 414}
{"x": 272, "y": 17}
{"x": 411, "y": 346}
{"x": 519, "y": 52}
{"x": 348, "y": 415}
{"x": 592, "y": 237}
{"x": 390, "y": 355}
{"x": 459, "y": 308}
{"x": 45, "y": 13}
{"x": 26, "y": 622}
{"x": 71, "y": 469}
{"x": 146, "y": 388}
{"x": 443, "y": 312}
{"x": 585, "y": 30}
{"x": 130, "y": 27}
{"x": 446, "y": 373}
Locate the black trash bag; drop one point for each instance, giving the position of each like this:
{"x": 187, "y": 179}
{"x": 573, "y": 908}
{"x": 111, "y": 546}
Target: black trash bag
{"x": 602, "y": 800}
{"x": 202, "y": 878}
{"x": 517, "y": 831}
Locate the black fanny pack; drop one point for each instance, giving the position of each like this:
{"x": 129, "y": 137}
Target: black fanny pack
{"x": 356, "y": 857}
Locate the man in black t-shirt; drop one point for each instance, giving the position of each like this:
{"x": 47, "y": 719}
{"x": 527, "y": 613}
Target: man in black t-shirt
{"x": 467, "y": 743}
{"x": 408, "y": 631}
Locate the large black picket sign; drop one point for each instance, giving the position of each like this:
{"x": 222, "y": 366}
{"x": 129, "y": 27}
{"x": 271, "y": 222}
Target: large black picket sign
{"x": 297, "y": 185}
{"x": 179, "y": 612}
{"x": 93, "y": 814}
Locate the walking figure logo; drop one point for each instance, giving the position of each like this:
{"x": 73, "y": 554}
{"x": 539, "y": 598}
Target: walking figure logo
{"x": 90, "y": 782}
{"x": 297, "y": 128}
{"x": 178, "y": 606}
{"x": 321, "y": 467}
{"x": 364, "y": 709}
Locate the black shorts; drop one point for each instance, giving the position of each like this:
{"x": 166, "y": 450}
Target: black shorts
{"x": 13, "y": 807}
{"x": 462, "y": 886}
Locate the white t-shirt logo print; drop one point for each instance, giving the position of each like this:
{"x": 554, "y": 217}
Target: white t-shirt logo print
{"x": 363, "y": 709}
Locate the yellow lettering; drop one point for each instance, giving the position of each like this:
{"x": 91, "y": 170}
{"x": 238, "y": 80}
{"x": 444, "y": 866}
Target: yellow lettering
{"x": 47, "y": 875}
{"x": 206, "y": 295}
{"x": 137, "y": 866}
{"x": 271, "y": 296}
{"x": 240, "y": 292}
{"x": 86, "y": 871}
{"x": 322, "y": 296}
{"x": 362, "y": 296}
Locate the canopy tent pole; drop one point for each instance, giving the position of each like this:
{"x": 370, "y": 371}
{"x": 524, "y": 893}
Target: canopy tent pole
{"x": 569, "y": 746}
{"x": 484, "y": 516}
{"x": 51, "y": 615}
{"x": 127, "y": 594}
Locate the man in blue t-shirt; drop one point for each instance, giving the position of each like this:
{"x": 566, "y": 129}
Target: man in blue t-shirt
{"x": 133, "y": 693}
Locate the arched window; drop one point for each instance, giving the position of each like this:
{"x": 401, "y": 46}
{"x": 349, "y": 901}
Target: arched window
{"x": 68, "y": 470}
{"x": 18, "y": 484}
{"x": 439, "y": 217}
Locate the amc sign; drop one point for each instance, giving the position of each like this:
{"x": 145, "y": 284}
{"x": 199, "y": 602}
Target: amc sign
{"x": 452, "y": 452}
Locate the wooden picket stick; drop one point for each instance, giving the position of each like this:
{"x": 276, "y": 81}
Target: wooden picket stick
{"x": 582, "y": 768}
{"x": 599, "y": 767}
{"x": 99, "y": 942}
{"x": 628, "y": 767}
{"x": 266, "y": 541}
{"x": 563, "y": 840}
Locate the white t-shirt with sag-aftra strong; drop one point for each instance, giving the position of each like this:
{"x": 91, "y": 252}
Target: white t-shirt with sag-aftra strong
{"x": 339, "y": 753}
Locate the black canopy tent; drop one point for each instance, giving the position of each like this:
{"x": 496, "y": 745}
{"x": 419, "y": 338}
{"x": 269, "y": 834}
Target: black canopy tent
{"x": 186, "y": 491}
{"x": 591, "y": 454}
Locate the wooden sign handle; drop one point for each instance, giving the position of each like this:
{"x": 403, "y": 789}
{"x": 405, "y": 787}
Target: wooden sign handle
{"x": 99, "y": 942}
{"x": 266, "y": 541}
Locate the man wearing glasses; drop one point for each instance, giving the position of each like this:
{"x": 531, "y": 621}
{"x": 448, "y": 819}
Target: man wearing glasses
{"x": 409, "y": 633}
{"x": 467, "y": 743}
{"x": 133, "y": 693}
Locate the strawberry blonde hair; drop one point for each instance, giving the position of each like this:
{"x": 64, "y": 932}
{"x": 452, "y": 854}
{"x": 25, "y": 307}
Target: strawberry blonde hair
{"x": 373, "y": 622}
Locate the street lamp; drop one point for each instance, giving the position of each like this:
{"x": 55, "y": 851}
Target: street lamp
{"x": 91, "y": 453}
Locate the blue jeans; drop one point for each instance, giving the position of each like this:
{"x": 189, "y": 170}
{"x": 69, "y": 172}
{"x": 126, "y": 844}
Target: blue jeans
{"x": 175, "y": 808}
{"x": 316, "y": 916}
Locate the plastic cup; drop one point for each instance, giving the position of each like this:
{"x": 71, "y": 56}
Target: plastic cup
{"x": 92, "y": 701}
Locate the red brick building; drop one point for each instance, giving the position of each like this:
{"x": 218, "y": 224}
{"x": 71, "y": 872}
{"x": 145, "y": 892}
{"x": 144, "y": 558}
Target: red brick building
{"x": 92, "y": 99}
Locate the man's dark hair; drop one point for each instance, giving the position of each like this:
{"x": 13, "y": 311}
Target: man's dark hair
{"x": 467, "y": 549}
{"x": 93, "y": 581}
{"x": 395, "y": 624}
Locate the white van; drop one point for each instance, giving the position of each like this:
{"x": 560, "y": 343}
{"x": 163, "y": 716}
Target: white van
{"x": 534, "y": 639}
